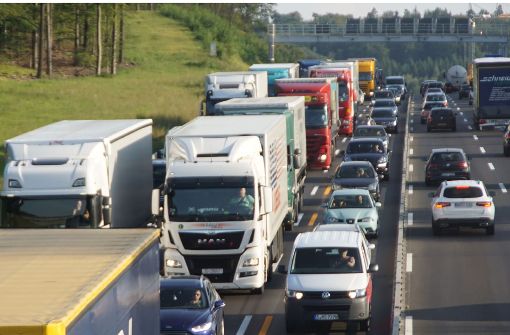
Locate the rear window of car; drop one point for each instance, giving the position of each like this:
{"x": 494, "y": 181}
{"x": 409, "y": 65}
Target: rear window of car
{"x": 440, "y": 157}
{"x": 382, "y": 113}
{"x": 365, "y": 147}
{"x": 384, "y": 103}
{"x": 463, "y": 192}
{"x": 352, "y": 171}
{"x": 386, "y": 94}
{"x": 435, "y": 85}
{"x": 436, "y": 97}
{"x": 440, "y": 112}
{"x": 368, "y": 132}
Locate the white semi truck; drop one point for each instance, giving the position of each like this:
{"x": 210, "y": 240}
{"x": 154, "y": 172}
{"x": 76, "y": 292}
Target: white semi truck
{"x": 79, "y": 174}
{"x": 225, "y": 199}
{"x": 221, "y": 86}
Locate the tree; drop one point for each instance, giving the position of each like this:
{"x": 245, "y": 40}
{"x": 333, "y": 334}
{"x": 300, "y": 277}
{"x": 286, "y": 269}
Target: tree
{"x": 99, "y": 48}
{"x": 121, "y": 35}
{"x": 113, "y": 66}
{"x": 49, "y": 40}
{"x": 290, "y": 18}
{"x": 372, "y": 14}
{"x": 499, "y": 10}
{"x": 42, "y": 10}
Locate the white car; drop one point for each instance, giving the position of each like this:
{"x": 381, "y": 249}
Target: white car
{"x": 462, "y": 203}
{"x": 329, "y": 279}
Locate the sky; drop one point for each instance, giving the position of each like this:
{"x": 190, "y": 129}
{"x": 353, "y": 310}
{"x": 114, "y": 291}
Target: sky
{"x": 361, "y": 8}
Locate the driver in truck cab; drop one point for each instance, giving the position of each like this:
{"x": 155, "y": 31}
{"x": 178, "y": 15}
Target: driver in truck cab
{"x": 243, "y": 201}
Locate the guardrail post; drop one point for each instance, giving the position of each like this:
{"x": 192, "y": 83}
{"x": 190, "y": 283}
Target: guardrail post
{"x": 271, "y": 43}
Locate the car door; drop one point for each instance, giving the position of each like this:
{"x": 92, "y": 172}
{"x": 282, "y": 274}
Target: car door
{"x": 217, "y": 313}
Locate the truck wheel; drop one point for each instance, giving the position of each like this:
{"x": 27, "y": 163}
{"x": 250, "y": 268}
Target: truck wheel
{"x": 506, "y": 151}
{"x": 269, "y": 268}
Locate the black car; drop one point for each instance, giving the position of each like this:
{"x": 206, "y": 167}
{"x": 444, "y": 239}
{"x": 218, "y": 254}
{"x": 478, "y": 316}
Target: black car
{"x": 446, "y": 164}
{"x": 442, "y": 118}
{"x": 425, "y": 111}
{"x": 371, "y": 150}
{"x": 386, "y": 117}
{"x": 506, "y": 141}
{"x": 372, "y": 131}
{"x": 357, "y": 174}
{"x": 464, "y": 91}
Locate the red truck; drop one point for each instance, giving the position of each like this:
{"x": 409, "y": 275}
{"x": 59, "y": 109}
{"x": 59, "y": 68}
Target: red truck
{"x": 346, "y": 95}
{"x": 321, "y": 116}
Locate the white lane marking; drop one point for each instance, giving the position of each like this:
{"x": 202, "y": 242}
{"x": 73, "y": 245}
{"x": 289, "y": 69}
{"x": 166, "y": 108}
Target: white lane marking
{"x": 482, "y": 149}
{"x": 470, "y": 128}
{"x": 410, "y": 189}
{"x": 314, "y": 190}
{"x": 411, "y": 151}
{"x": 411, "y": 138}
{"x": 325, "y": 171}
{"x": 412, "y": 120}
{"x": 275, "y": 265}
{"x": 475, "y": 137}
{"x": 337, "y": 151}
{"x": 410, "y": 218}
{"x": 502, "y": 187}
{"x": 344, "y": 139}
{"x": 411, "y": 129}
{"x": 461, "y": 113}
{"x": 299, "y": 217}
{"x": 491, "y": 166}
{"x": 465, "y": 120}
{"x": 244, "y": 325}
{"x": 411, "y": 168}
{"x": 409, "y": 263}
{"x": 408, "y": 325}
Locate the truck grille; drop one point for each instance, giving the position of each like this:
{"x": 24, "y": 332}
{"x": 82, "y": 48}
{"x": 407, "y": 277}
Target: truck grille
{"x": 327, "y": 308}
{"x": 227, "y": 264}
{"x": 313, "y": 144}
{"x": 219, "y": 241}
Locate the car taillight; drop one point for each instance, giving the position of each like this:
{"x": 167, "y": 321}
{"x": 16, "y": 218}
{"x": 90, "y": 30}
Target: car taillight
{"x": 442, "y": 204}
{"x": 484, "y": 203}
{"x": 482, "y": 121}
{"x": 433, "y": 166}
{"x": 463, "y": 165}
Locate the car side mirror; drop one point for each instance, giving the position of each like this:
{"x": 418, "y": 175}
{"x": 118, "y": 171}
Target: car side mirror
{"x": 373, "y": 268}
{"x": 378, "y": 205}
{"x": 281, "y": 269}
{"x": 219, "y": 304}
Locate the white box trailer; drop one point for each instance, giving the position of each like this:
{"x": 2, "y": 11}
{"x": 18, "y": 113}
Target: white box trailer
{"x": 209, "y": 227}
{"x": 221, "y": 86}
{"x": 80, "y": 173}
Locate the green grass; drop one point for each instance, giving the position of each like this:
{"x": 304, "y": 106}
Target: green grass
{"x": 163, "y": 81}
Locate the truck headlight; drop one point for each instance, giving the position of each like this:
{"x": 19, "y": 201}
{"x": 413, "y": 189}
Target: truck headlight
{"x": 254, "y": 261}
{"x": 80, "y": 182}
{"x": 202, "y": 328}
{"x": 357, "y": 293}
{"x": 14, "y": 183}
{"x": 323, "y": 157}
{"x": 366, "y": 219}
{"x": 294, "y": 294}
{"x": 173, "y": 263}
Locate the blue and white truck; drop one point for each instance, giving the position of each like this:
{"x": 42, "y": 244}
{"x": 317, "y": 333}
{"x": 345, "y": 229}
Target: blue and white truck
{"x": 79, "y": 281}
{"x": 491, "y": 92}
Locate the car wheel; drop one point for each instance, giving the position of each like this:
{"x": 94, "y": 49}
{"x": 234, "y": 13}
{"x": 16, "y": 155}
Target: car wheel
{"x": 364, "y": 325}
{"x": 436, "y": 230}
{"x": 375, "y": 234}
{"x": 506, "y": 151}
{"x": 490, "y": 230}
{"x": 396, "y": 130}
{"x": 387, "y": 176}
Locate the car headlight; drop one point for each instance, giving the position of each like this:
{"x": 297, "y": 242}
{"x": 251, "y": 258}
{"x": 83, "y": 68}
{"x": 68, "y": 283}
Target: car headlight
{"x": 294, "y": 294}
{"x": 173, "y": 263}
{"x": 323, "y": 157}
{"x": 357, "y": 293}
{"x": 366, "y": 219}
{"x": 202, "y": 328}
{"x": 332, "y": 219}
{"x": 254, "y": 261}
{"x": 382, "y": 159}
{"x": 336, "y": 187}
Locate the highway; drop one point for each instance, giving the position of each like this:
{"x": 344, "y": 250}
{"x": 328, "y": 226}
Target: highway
{"x": 456, "y": 283}
{"x": 265, "y": 314}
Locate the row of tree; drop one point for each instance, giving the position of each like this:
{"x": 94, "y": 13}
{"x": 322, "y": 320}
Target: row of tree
{"x": 85, "y": 35}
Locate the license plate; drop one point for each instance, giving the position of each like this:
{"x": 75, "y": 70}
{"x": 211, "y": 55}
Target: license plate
{"x": 463, "y": 204}
{"x": 325, "y": 317}
{"x": 217, "y": 271}
{"x": 448, "y": 174}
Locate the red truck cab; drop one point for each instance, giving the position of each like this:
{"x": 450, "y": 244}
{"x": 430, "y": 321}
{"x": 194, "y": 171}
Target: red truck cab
{"x": 346, "y": 96}
{"x": 319, "y": 125}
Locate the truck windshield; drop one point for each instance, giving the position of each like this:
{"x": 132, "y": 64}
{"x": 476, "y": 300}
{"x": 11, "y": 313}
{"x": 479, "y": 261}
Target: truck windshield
{"x": 206, "y": 202}
{"x": 343, "y": 92}
{"x": 326, "y": 260}
{"x": 316, "y": 116}
{"x": 365, "y": 76}
{"x": 57, "y": 212}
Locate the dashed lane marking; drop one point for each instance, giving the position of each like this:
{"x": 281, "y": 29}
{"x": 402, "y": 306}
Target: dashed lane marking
{"x": 327, "y": 191}
{"x": 410, "y": 218}
{"x": 344, "y": 139}
{"x": 409, "y": 262}
{"x": 412, "y": 120}
{"x": 410, "y": 189}
{"x": 461, "y": 113}
{"x": 313, "y": 218}
{"x": 465, "y": 120}
{"x": 325, "y": 171}
{"x": 411, "y": 151}
{"x": 470, "y": 128}
{"x": 408, "y": 325}
{"x": 482, "y": 149}
{"x": 337, "y": 151}
{"x": 244, "y": 325}
{"x": 411, "y": 138}
{"x": 299, "y": 217}
{"x": 475, "y": 137}
{"x": 491, "y": 166}
{"x": 502, "y": 187}
{"x": 314, "y": 190}
{"x": 411, "y": 168}
{"x": 266, "y": 325}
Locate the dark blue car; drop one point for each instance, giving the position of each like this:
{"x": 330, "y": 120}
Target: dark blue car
{"x": 190, "y": 305}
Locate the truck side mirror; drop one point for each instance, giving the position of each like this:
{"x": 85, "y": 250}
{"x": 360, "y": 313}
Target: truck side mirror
{"x": 268, "y": 200}
{"x": 155, "y": 202}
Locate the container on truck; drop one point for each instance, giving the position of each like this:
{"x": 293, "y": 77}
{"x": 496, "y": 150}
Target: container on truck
{"x": 321, "y": 101}
{"x": 347, "y": 105}
{"x": 276, "y": 71}
{"x": 353, "y": 65}
{"x": 455, "y": 77}
{"x": 305, "y": 64}
{"x": 491, "y": 92}
{"x": 367, "y": 75}
{"x": 225, "y": 199}
{"x": 294, "y": 110}
{"x": 221, "y": 86}
{"x": 80, "y": 281}
{"x": 79, "y": 174}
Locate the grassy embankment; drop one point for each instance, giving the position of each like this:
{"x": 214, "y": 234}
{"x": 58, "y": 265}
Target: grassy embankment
{"x": 164, "y": 81}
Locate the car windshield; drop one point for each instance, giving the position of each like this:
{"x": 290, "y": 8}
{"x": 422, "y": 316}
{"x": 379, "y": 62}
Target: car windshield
{"x": 350, "y": 201}
{"x": 369, "y": 132}
{"x": 365, "y": 76}
{"x": 434, "y": 85}
{"x": 343, "y": 92}
{"x": 441, "y": 157}
{"x": 178, "y": 298}
{"x": 384, "y": 94}
{"x": 353, "y": 171}
{"x": 398, "y": 81}
{"x": 463, "y": 192}
{"x": 364, "y": 147}
{"x": 326, "y": 260}
{"x": 436, "y": 97}
{"x": 384, "y": 103}
{"x": 316, "y": 116}
{"x": 382, "y": 113}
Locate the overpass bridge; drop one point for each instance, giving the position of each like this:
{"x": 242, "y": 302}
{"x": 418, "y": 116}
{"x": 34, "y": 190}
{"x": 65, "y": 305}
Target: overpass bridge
{"x": 371, "y": 30}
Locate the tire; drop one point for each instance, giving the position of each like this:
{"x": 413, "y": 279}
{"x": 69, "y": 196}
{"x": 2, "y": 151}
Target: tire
{"x": 490, "y": 230}
{"x": 387, "y": 176}
{"x": 258, "y": 291}
{"x": 270, "y": 267}
{"x": 506, "y": 151}
{"x": 376, "y": 234}
{"x": 436, "y": 230}
{"x": 364, "y": 325}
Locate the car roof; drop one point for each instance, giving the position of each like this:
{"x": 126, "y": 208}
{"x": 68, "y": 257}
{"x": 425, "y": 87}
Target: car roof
{"x": 350, "y": 191}
{"x": 463, "y": 183}
{"x": 447, "y": 150}
{"x": 370, "y": 126}
{"x": 183, "y": 281}
{"x": 442, "y": 108}
{"x": 382, "y": 108}
{"x": 314, "y": 239}
{"x": 338, "y": 227}
{"x": 436, "y": 93}
{"x": 365, "y": 139}
{"x": 395, "y": 77}
{"x": 355, "y": 163}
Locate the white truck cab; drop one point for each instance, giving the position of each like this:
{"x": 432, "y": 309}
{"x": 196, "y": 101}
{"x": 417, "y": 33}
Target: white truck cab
{"x": 329, "y": 279}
